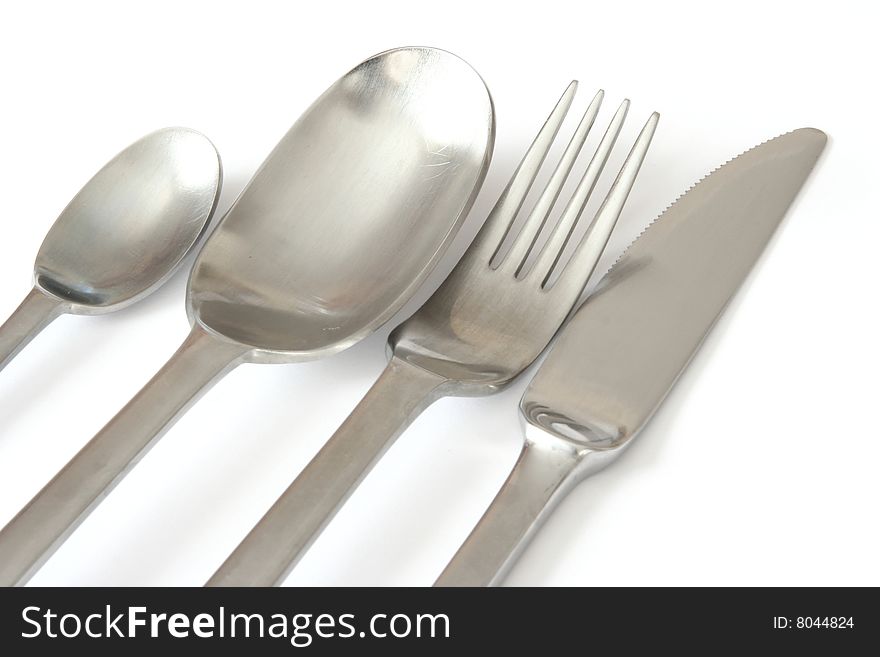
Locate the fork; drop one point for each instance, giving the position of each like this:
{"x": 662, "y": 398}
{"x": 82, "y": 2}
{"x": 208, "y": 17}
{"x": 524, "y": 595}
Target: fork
{"x": 489, "y": 320}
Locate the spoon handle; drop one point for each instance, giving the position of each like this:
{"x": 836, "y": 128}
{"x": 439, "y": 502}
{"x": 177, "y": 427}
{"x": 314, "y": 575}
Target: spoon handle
{"x": 33, "y": 315}
{"x": 542, "y": 475}
{"x": 282, "y": 536}
{"x": 44, "y": 524}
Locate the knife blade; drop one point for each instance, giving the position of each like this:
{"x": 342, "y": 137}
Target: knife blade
{"x": 617, "y": 359}
{"x": 619, "y": 356}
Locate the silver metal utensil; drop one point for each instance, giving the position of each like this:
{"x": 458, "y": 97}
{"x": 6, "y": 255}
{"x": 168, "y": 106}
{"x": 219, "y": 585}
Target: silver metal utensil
{"x": 123, "y": 235}
{"x": 336, "y": 229}
{"x": 616, "y": 360}
{"x": 489, "y": 320}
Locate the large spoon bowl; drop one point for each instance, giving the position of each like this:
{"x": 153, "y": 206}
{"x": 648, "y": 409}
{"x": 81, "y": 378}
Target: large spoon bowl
{"x": 123, "y": 235}
{"x": 350, "y": 211}
{"x": 338, "y": 227}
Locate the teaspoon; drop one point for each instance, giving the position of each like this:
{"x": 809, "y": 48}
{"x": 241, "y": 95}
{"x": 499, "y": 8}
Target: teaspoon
{"x": 123, "y": 235}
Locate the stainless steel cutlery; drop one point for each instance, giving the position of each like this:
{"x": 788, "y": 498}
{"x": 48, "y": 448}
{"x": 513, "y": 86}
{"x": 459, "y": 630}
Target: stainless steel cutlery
{"x": 616, "y": 360}
{"x": 338, "y": 227}
{"x": 486, "y": 323}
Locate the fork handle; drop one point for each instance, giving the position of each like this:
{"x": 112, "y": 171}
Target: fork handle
{"x": 48, "y": 519}
{"x": 285, "y": 533}
{"x": 34, "y": 314}
{"x": 542, "y": 475}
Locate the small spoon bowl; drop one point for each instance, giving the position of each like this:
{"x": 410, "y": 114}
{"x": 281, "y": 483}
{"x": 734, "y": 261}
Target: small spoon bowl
{"x": 126, "y": 232}
{"x": 123, "y": 235}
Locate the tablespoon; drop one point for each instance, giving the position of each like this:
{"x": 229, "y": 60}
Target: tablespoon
{"x": 337, "y": 228}
{"x": 123, "y": 235}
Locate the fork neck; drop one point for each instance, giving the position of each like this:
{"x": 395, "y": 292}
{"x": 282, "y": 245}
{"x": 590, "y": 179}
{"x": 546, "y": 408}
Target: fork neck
{"x": 407, "y": 389}
{"x": 429, "y": 348}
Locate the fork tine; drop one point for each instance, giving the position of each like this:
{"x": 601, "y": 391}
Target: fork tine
{"x": 525, "y": 240}
{"x": 555, "y": 245}
{"x": 502, "y": 216}
{"x": 579, "y": 268}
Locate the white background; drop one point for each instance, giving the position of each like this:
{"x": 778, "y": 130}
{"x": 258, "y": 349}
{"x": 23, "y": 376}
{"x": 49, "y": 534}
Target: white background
{"x": 761, "y": 467}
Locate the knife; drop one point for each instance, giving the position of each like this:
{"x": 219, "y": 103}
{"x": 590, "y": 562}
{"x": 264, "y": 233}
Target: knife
{"x": 621, "y": 353}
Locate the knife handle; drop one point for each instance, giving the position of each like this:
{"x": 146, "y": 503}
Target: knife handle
{"x": 44, "y": 524}
{"x": 545, "y": 471}
{"x": 285, "y": 533}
